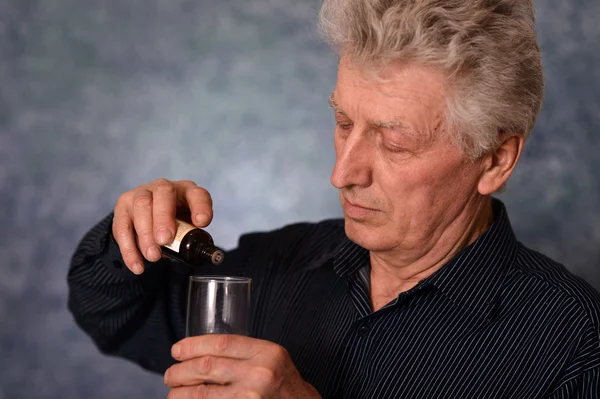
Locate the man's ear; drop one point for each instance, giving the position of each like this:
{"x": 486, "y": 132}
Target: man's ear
{"x": 498, "y": 165}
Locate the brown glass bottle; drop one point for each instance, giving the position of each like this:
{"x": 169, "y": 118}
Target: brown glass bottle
{"x": 193, "y": 246}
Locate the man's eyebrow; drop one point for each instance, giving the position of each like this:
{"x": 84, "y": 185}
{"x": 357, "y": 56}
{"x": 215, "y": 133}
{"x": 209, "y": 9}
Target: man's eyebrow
{"x": 389, "y": 124}
{"x": 334, "y": 105}
{"x": 378, "y": 124}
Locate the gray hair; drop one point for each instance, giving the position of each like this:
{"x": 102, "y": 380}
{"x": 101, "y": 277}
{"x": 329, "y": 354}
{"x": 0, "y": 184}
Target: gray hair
{"x": 487, "y": 49}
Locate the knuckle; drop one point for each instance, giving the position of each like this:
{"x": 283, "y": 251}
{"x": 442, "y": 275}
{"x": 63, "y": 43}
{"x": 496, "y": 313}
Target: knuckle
{"x": 123, "y": 198}
{"x": 160, "y": 181}
{"x": 122, "y": 230}
{"x": 200, "y": 392}
{"x": 142, "y": 200}
{"x": 204, "y": 365}
{"x": 251, "y": 395}
{"x": 145, "y": 236}
{"x": 223, "y": 342}
{"x": 186, "y": 182}
{"x": 165, "y": 189}
{"x": 199, "y": 192}
{"x": 280, "y": 354}
{"x": 128, "y": 253}
{"x": 264, "y": 376}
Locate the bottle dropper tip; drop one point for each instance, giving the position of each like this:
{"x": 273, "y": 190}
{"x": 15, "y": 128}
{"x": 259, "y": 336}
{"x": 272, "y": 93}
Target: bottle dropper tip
{"x": 217, "y": 257}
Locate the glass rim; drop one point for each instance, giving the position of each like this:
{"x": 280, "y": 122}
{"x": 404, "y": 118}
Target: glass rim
{"x": 220, "y": 279}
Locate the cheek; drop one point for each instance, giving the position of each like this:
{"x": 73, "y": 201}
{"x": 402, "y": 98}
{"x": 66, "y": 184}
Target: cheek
{"x": 417, "y": 189}
{"x": 402, "y": 184}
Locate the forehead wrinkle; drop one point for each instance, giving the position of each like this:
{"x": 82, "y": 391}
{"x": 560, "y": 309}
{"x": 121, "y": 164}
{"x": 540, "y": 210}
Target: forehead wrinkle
{"x": 395, "y": 123}
{"x": 424, "y": 134}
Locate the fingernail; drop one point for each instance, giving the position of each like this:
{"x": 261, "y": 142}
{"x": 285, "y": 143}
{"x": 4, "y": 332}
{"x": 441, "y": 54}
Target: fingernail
{"x": 202, "y": 218}
{"x": 137, "y": 268}
{"x": 164, "y": 236}
{"x": 176, "y": 350}
{"x": 153, "y": 252}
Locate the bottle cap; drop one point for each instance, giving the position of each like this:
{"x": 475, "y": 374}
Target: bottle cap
{"x": 209, "y": 252}
{"x": 217, "y": 257}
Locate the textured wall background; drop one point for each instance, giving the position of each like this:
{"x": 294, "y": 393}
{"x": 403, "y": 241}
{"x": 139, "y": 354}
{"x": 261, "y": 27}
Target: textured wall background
{"x": 97, "y": 97}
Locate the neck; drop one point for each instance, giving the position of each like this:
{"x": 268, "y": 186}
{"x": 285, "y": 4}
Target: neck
{"x": 392, "y": 274}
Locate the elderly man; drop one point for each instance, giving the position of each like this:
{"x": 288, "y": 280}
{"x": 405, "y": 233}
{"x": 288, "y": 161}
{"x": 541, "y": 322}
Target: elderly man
{"x": 422, "y": 290}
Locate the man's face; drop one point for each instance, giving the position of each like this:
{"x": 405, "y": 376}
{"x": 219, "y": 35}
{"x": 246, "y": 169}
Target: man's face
{"x": 402, "y": 182}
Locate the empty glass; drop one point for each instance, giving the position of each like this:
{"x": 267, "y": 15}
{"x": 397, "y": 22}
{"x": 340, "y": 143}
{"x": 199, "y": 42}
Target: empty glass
{"x": 218, "y": 305}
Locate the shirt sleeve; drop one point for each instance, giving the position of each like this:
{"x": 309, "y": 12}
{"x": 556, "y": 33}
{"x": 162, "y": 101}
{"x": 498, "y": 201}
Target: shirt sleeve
{"x": 140, "y": 317}
{"x": 583, "y": 386}
{"x": 581, "y": 378}
{"x": 135, "y": 317}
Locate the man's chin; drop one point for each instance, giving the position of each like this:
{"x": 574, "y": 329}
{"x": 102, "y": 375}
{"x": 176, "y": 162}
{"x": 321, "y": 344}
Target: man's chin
{"x": 370, "y": 239}
{"x": 360, "y": 231}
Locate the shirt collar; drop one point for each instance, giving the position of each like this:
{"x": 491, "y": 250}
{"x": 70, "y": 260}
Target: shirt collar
{"x": 472, "y": 278}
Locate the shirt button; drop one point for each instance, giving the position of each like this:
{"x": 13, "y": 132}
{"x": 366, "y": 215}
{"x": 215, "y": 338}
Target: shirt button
{"x": 363, "y": 331}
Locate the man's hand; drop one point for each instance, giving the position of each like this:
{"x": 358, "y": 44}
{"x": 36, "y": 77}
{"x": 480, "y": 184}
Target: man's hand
{"x": 221, "y": 366}
{"x": 144, "y": 218}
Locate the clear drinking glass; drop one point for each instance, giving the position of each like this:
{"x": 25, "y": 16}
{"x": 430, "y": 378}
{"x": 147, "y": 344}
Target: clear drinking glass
{"x": 219, "y": 305}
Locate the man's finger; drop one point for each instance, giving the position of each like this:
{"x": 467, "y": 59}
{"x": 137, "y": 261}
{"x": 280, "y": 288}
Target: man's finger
{"x": 205, "y": 369}
{"x": 142, "y": 221}
{"x": 199, "y": 202}
{"x": 207, "y": 391}
{"x": 124, "y": 235}
{"x": 221, "y": 345}
{"x": 164, "y": 204}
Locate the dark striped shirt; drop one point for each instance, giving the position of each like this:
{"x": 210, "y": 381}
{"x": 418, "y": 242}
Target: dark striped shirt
{"x": 498, "y": 321}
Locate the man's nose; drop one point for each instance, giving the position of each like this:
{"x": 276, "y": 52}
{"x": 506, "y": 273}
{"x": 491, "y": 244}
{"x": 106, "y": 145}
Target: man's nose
{"x": 353, "y": 161}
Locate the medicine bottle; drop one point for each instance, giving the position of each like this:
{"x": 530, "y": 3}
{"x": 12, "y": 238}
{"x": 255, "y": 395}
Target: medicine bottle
{"x": 193, "y": 246}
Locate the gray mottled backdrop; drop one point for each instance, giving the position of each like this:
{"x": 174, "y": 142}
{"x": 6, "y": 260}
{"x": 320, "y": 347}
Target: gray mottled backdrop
{"x": 99, "y": 96}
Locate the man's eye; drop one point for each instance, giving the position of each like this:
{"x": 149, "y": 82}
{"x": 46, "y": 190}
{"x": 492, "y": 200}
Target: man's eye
{"x": 344, "y": 126}
{"x": 395, "y": 149}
